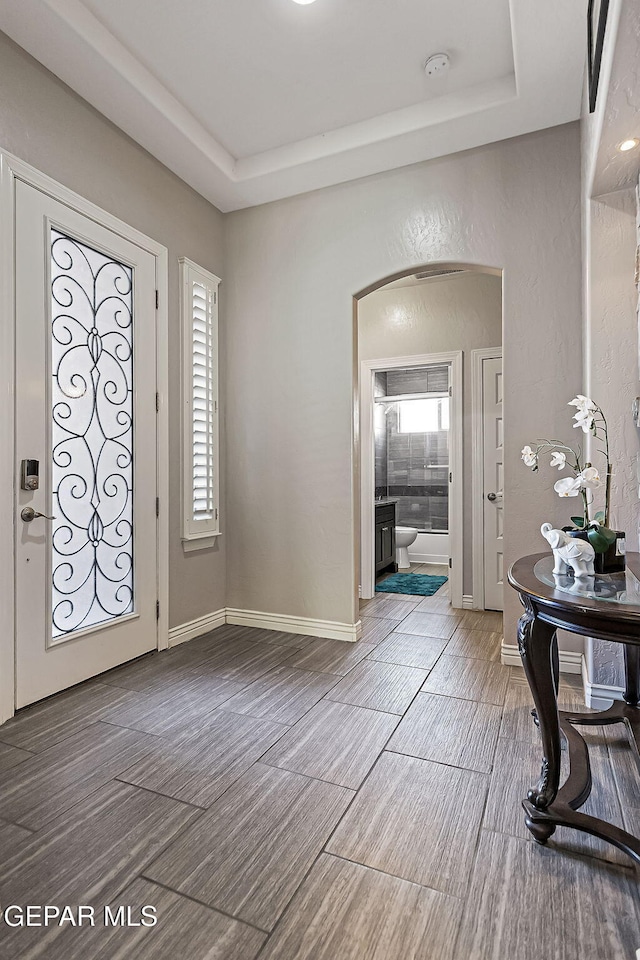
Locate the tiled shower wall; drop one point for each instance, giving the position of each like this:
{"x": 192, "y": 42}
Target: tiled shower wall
{"x": 412, "y": 467}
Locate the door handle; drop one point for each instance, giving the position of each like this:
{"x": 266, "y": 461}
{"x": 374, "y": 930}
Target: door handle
{"x": 28, "y": 514}
{"x": 492, "y": 497}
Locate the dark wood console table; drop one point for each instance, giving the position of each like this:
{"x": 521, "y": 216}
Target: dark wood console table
{"x": 605, "y": 607}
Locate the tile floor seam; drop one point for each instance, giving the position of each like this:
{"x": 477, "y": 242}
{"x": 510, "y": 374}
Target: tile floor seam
{"x": 323, "y": 851}
{"x": 157, "y": 793}
{"x": 14, "y": 823}
{"x": 81, "y": 800}
{"x": 414, "y": 883}
{"x": 229, "y": 785}
{"x": 346, "y": 703}
{"x": 396, "y": 876}
{"x": 85, "y": 726}
{"x": 452, "y": 766}
{"x": 201, "y": 903}
{"x": 133, "y": 786}
{"x": 354, "y": 789}
{"x": 564, "y": 851}
{"x": 159, "y": 736}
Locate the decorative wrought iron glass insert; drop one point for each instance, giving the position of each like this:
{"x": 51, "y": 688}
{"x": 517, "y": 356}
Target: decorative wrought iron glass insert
{"x": 92, "y": 436}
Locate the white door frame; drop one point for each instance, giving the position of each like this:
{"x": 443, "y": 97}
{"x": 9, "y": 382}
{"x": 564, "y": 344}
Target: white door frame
{"x": 367, "y": 466}
{"x": 12, "y": 169}
{"x": 477, "y": 469}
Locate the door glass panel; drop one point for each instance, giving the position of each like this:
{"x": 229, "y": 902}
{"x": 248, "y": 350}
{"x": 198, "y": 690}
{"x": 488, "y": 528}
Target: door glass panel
{"x": 92, "y": 437}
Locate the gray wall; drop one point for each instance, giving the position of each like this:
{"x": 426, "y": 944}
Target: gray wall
{"x": 294, "y": 267}
{"x": 457, "y": 313}
{"x": 612, "y": 377}
{"x": 49, "y": 126}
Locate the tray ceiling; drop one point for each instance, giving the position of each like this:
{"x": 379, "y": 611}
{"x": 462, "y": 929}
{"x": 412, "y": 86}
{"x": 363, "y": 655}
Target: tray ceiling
{"x": 253, "y": 100}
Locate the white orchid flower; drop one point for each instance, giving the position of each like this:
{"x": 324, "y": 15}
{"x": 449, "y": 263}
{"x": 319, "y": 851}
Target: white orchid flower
{"x": 589, "y": 478}
{"x": 558, "y": 459}
{"x": 529, "y": 457}
{"x": 584, "y": 420}
{"x": 568, "y": 487}
{"x": 584, "y": 404}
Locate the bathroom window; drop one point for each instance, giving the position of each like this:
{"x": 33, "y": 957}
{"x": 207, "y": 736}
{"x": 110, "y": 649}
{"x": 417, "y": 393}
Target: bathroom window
{"x": 199, "y": 320}
{"x": 428, "y": 415}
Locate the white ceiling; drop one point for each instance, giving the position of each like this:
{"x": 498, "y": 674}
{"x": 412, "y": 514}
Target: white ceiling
{"x": 253, "y": 100}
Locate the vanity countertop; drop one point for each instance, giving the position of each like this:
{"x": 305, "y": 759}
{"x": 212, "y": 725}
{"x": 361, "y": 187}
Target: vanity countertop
{"x": 385, "y": 501}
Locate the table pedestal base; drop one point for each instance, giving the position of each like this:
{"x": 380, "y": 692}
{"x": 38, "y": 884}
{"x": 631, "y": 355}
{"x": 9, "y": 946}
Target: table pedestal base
{"x": 563, "y": 810}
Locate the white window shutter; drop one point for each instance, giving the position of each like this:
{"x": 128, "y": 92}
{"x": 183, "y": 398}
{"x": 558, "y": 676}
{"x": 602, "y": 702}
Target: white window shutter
{"x": 199, "y": 321}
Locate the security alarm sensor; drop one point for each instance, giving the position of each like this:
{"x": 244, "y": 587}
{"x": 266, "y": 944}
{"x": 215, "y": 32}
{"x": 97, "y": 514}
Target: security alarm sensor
{"x": 437, "y": 64}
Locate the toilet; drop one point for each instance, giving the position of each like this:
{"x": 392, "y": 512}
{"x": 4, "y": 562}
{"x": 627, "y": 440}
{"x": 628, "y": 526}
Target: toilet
{"x": 405, "y": 536}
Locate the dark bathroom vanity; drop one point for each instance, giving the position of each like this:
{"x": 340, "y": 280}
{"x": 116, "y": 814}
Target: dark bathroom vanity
{"x": 385, "y": 536}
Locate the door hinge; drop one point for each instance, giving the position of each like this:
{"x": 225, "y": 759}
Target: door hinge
{"x": 215, "y": 297}
{"x": 157, "y": 402}
{"x": 157, "y": 506}
{"x": 450, "y": 477}
{"x": 157, "y": 299}
{"x": 216, "y": 513}
{"x": 450, "y": 391}
{"x": 157, "y": 609}
{"x": 450, "y": 563}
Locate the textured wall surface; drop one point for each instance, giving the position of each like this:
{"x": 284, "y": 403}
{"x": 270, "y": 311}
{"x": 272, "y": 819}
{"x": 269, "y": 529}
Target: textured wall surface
{"x": 459, "y": 313}
{"x": 49, "y": 126}
{"x": 294, "y": 267}
{"x": 612, "y": 374}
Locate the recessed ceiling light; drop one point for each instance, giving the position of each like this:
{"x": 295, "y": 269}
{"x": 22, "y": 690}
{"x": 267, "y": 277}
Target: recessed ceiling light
{"x": 303, "y": 1}
{"x": 628, "y": 145}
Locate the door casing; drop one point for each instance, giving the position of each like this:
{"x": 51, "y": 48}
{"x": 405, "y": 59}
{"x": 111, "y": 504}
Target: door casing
{"x": 477, "y": 468}
{"x": 11, "y": 170}
{"x": 367, "y": 466}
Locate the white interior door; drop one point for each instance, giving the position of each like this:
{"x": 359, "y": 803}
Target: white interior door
{"x": 493, "y": 486}
{"x": 86, "y": 580}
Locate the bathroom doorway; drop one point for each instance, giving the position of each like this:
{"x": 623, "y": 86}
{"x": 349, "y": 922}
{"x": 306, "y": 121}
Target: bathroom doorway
{"x": 411, "y": 421}
{"x": 446, "y": 315}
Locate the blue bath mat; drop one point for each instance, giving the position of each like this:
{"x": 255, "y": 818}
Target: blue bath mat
{"x": 418, "y": 584}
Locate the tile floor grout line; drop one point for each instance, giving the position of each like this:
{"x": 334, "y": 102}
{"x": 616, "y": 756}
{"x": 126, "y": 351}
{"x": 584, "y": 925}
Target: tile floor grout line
{"x": 92, "y": 721}
{"x": 395, "y": 876}
{"x": 323, "y": 850}
{"x": 395, "y": 716}
{"x": 201, "y": 903}
{"x": 441, "y": 763}
{"x": 157, "y": 793}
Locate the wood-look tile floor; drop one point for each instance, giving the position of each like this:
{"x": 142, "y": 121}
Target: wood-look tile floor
{"x": 279, "y": 797}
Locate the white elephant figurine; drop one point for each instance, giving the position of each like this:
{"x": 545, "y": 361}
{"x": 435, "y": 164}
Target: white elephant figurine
{"x": 569, "y": 552}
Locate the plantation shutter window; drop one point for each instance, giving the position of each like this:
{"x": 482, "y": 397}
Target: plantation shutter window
{"x": 200, "y": 400}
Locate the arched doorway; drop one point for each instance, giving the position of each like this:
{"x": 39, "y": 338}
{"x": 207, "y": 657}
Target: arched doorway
{"x": 448, "y": 315}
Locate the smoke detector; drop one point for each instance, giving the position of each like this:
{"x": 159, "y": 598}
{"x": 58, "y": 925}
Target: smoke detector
{"x": 437, "y": 65}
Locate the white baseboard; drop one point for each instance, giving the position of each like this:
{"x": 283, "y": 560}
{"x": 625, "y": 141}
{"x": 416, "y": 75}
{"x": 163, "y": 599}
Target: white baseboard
{"x": 599, "y": 695}
{"x": 328, "y": 629}
{"x": 429, "y": 558}
{"x": 196, "y": 628}
{"x": 570, "y": 660}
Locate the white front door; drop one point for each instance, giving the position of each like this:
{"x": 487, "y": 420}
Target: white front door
{"x": 86, "y": 580}
{"x": 493, "y": 455}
